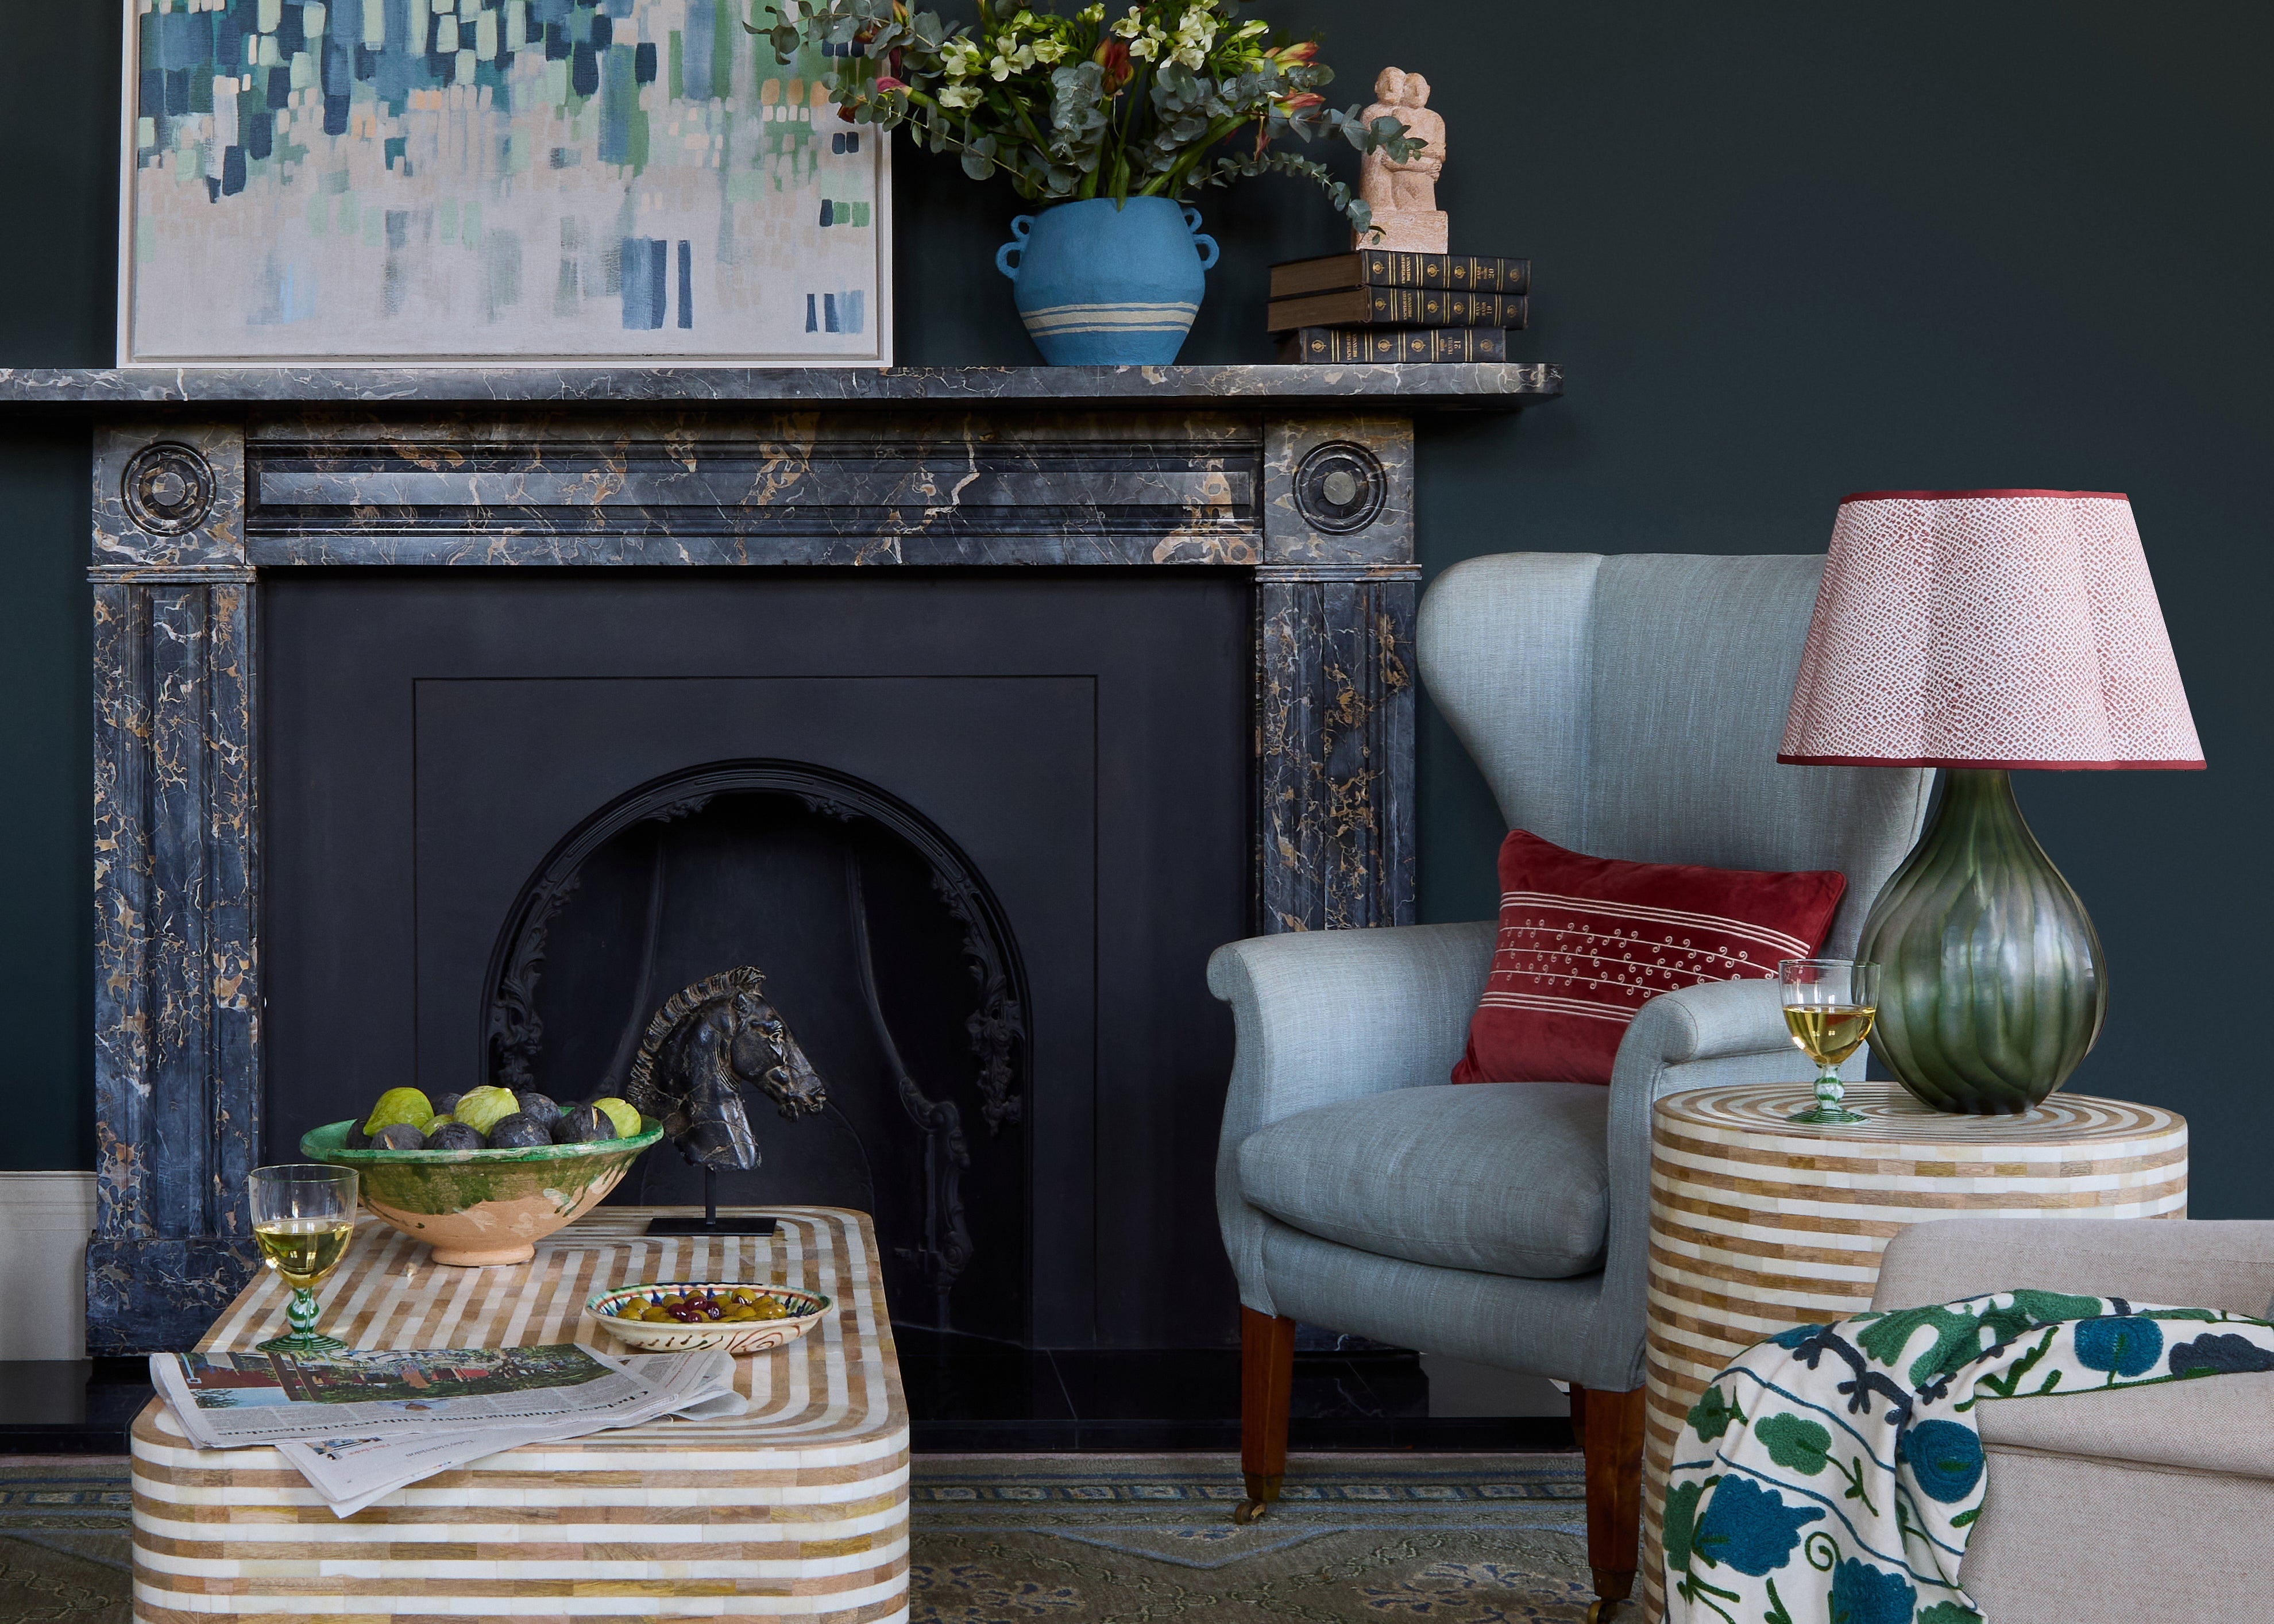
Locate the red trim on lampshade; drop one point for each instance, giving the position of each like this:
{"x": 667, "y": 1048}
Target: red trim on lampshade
{"x": 1956, "y": 495}
{"x": 2010, "y": 767}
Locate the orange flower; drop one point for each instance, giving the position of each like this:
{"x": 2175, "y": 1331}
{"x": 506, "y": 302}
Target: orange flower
{"x": 1300, "y": 54}
{"x": 1304, "y": 103}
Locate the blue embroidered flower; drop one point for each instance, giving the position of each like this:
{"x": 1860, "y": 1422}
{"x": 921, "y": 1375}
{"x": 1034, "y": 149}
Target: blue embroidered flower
{"x": 1862, "y": 1595}
{"x": 1798, "y": 1334}
{"x": 1945, "y": 1459}
{"x": 1750, "y": 1528}
{"x": 2121, "y": 1344}
{"x": 2216, "y": 1355}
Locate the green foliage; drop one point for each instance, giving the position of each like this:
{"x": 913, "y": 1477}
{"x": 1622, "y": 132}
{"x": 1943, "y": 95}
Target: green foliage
{"x": 1147, "y": 103}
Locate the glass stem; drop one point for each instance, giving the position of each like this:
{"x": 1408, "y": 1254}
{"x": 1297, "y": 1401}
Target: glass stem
{"x": 303, "y": 1313}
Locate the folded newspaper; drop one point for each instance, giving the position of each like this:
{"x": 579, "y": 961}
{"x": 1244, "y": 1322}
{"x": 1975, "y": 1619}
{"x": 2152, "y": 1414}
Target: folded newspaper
{"x": 362, "y": 1423}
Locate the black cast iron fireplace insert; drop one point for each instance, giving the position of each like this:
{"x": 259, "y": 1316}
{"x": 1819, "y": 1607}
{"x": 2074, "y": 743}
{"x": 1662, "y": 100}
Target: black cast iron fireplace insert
{"x": 884, "y": 951}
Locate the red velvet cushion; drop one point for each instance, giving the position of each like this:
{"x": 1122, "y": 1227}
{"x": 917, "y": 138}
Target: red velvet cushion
{"x": 1586, "y": 941}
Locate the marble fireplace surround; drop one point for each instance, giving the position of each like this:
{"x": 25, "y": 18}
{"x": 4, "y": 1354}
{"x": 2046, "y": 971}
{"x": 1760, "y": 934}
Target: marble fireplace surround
{"x": 208, "y": 482}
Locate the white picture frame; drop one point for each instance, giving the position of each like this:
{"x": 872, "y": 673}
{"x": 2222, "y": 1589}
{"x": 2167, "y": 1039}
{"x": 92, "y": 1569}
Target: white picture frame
{"x": 623, "y": 202}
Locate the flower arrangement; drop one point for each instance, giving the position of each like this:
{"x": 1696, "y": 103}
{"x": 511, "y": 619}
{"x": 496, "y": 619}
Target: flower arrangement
{"x": 1145, "y": 102}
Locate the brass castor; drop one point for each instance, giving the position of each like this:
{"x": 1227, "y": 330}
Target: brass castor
{"x": 1262, "y": 1491}
{"x": 1605, "y": 1610}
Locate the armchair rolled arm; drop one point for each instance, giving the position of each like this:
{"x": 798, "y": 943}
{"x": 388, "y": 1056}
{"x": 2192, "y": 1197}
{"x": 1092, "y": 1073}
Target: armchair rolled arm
{"x": 1328, "y": 1015}
{"x": 1719, "y": 1032}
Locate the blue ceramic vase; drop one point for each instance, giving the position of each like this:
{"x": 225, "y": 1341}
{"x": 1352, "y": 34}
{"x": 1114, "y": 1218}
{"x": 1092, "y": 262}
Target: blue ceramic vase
{"x": 1105, "y": 286}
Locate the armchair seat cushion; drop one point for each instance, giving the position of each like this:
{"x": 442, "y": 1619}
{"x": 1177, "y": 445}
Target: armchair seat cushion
{"x": 1503, "y": 1178}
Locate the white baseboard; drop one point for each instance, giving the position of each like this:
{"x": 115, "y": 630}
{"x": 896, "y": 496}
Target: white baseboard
{"x": 45, "y": 1219}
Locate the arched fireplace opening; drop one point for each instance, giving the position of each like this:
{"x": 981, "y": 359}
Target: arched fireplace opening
{"x": 884, "y": 949}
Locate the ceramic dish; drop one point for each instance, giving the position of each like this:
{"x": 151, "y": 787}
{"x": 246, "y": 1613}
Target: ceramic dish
{"x": 736, "y": 1336}
{"x": 480, "y": 1208}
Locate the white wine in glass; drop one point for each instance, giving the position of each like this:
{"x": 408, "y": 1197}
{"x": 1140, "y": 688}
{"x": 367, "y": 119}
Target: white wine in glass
{"x": 1829, "y": 1006}
{"x": 302, "y": 1218}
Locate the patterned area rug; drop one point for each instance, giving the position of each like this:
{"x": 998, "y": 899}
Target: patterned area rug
{"x": 1082, "y": 1539}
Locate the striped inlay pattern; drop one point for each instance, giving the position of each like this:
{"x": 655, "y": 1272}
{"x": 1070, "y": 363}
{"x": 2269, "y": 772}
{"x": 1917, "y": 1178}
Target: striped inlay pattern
{"x": 797, "y": 1509}
{"x": 1757, "y": 1223}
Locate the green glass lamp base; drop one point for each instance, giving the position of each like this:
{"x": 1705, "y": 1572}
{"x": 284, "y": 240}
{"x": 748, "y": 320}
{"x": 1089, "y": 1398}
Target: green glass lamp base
{"x": 1991, "y": 984}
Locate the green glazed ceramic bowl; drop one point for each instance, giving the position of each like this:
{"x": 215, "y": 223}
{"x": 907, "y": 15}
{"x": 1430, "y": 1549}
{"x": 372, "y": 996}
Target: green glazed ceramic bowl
{"x": 479, "y": 1208}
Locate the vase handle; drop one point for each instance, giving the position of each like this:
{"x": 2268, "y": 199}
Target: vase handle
{"x": 1201, "y": 240}
{"x": 1004, "y": 256}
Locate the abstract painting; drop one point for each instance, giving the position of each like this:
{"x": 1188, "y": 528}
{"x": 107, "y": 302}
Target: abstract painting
{"x": 492, "y": 180}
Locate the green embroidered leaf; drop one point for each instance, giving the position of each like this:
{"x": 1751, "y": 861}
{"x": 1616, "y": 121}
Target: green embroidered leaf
{"x": 1795, "y": 1442}
{"x": 1776, "y": 1614}
{"x": 1965, "y": 1519}
{"x": 1711, "y": 1415}
{"x": 1680, "y": 1528}
{"x": 2046, "y": 1306}
{"x": 1948, "y": 1613}
{"x": 2210, "y": 1314}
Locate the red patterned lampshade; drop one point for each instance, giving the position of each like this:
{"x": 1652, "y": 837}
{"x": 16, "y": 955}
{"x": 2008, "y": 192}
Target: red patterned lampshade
{"x": 1988, "y": 629}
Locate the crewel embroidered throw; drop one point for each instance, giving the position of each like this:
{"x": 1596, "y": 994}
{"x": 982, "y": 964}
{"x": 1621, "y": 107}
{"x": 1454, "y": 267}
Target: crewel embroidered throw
{"x": 1834, "y": 1472}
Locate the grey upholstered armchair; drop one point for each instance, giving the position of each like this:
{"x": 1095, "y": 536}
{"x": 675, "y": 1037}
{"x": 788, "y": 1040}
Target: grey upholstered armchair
{"x": 1621, "y": 706}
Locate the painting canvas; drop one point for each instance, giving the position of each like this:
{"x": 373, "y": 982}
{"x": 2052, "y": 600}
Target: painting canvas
{"x": 492, "y": 180}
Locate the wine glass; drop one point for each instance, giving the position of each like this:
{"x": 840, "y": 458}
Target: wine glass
{"x": 303, "y": 1216}
{"x": 1829, "y": 1006}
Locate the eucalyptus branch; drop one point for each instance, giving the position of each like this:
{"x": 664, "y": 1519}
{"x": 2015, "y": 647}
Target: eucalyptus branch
{"x": 1142, "y": 103}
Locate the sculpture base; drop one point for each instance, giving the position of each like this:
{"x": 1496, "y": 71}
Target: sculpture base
{"x": 719, "y": 1223}
{"x": 1408, "y": 231}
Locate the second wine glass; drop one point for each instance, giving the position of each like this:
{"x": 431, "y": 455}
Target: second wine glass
{"x": 1829, "y": 1006}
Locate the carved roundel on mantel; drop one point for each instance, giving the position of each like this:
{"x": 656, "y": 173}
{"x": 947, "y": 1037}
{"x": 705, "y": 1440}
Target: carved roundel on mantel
{"x": 168, "y": 489}
{"x": 1340, "y": 487}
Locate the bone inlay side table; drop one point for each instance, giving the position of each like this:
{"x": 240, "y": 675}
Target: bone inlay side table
{"x": 797, "y": 1509}
{"x": 1757, "y": 1223}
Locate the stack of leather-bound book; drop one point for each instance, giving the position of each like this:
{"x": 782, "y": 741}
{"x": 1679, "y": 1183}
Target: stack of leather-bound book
{"x": 1378, "y": 305}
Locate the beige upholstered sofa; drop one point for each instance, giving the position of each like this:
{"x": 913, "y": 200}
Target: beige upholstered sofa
{"x": 2148, "y": 1504}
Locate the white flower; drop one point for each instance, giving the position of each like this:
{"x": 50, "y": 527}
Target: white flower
{"x": 1000, "y": 68}
{"x": 1144, "y": 50}
{"x": 1130, "y": 26}
{"x": 960, "y": 95}
{"x": 960, "y": 57}
{"x": 1193, "y": 57}
{"x": 1049, "y": 50}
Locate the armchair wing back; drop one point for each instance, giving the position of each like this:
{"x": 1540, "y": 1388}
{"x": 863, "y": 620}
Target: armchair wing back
{"x": 1568, "y": 676}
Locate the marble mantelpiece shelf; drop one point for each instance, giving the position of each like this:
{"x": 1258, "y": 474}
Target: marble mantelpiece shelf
{"x": 1497, "y": 386}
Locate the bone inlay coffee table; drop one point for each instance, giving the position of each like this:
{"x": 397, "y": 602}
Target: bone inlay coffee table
{"x": 797, "y": 1509}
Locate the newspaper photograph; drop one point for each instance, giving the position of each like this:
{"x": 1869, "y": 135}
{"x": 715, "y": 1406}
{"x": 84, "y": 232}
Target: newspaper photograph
{"x": 362, "y": 1423}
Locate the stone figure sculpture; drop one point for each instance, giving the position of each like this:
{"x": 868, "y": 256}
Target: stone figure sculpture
{"x": 1403, "y": 194}
{"x": 703, "y": 1046}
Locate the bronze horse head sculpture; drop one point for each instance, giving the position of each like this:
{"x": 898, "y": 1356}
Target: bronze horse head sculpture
{"x": 703, "y": 1046}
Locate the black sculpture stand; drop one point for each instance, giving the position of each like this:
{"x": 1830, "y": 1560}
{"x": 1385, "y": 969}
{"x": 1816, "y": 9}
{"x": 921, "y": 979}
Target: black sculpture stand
{"x": 711, "y": 1223}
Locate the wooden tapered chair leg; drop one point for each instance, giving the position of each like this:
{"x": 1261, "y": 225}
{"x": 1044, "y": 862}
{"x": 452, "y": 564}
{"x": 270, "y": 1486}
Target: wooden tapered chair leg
{"x": 1267, "y": 1378}
{"x": 1607, "y": 1427}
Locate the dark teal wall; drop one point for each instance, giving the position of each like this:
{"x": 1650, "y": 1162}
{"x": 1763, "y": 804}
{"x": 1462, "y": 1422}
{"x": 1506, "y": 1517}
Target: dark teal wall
{"x": 1783, "y": 252}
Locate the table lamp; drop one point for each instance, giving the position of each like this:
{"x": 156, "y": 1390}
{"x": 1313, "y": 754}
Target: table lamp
{"x": 1980, "y": 631}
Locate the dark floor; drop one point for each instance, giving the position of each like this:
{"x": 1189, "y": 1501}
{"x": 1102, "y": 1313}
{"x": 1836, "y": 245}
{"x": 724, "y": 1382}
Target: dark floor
{"x": 965, "y": 1395}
